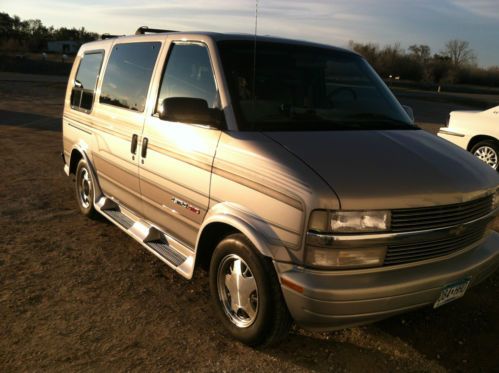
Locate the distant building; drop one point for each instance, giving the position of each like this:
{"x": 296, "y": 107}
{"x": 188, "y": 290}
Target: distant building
{"x": 66, "y": 47}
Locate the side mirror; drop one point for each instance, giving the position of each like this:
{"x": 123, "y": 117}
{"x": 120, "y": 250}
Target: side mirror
{"x": 190, "y": 110}
{"x": 409, "y": 112}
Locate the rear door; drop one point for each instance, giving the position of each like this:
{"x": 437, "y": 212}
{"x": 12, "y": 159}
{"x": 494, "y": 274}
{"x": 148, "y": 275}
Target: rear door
{"x": 119, "y": 119}
{"x": 175, "y": 171}
{"x": 77, "y": 117}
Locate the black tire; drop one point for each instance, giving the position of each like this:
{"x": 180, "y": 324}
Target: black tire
{"x": 84, "y": 190}
{"x": 483, "y": 147}
{"x": 272, "y": 321}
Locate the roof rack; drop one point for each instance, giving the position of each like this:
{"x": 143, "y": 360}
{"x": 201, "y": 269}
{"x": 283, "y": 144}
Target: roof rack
{"x": 144, "y": 29}
{"x": 109, "y": 36}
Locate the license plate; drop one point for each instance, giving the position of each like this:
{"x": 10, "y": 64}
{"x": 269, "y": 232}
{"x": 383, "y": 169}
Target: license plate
{"x": 452, "y": 292}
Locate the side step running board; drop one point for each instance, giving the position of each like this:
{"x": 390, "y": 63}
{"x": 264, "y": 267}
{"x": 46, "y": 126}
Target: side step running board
{"x": 165, "y": 251}
{"x": 120, "y": 218}
{"x": 170, "y": 251}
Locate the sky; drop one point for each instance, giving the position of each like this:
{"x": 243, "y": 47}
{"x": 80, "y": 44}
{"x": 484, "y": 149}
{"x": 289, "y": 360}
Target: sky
{"x": 335, "y": 22}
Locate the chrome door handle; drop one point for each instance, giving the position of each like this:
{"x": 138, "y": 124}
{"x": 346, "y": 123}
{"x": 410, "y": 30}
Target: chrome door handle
{"x": 133, "y": 147}
{"x": 145, "y": 141}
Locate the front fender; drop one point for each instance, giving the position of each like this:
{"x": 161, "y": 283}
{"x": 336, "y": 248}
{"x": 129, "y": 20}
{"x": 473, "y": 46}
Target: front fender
{"x": 254, "y": 228}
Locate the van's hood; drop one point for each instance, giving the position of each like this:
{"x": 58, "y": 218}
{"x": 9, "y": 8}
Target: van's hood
{"x": 391, "y": 169}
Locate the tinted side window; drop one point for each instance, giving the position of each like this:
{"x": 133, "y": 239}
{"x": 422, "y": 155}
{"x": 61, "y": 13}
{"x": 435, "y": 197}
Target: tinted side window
{"x": 188, "y": 74}
{"x": 82, "y": 95}
{"x": 128, "y": 74}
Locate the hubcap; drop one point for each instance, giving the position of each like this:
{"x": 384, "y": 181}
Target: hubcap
{"x": 237, "y": 291}
{"x": 84, "y": 187}
{"x": 488, "y": 155}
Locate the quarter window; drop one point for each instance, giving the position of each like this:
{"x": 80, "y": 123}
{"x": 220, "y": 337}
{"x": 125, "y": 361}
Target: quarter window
{"x": 189, "y": 74}
{"x": 83, "y": 92}
{"x": 128, "y": 75}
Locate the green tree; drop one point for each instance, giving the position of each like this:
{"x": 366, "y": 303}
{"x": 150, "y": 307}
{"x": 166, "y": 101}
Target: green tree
{"x": 16, "y": 34}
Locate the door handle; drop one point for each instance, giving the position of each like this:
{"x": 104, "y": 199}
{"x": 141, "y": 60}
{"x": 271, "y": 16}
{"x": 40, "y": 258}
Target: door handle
{"x": 145, "y": 141}
{"x": 133, "y": 147}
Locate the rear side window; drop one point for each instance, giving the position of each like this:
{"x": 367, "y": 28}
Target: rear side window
{"x": 188, "y": 73}
{"x": 128, "y": 74}
{"x": 83, "y": 92}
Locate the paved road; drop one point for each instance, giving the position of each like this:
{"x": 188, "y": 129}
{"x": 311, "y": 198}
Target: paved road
{"x": 431, "y": 115}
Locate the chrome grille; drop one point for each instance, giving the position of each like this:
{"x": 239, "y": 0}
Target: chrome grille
{"x": 439, "y": 216}
{"x": 412, "y": 252}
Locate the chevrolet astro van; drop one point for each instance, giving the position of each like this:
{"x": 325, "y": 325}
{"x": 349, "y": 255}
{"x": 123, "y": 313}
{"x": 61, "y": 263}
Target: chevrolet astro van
{"x": 286, "y": 169}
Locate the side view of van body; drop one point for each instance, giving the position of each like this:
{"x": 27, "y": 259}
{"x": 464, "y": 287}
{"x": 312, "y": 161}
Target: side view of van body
{"x": 286, "y": 169}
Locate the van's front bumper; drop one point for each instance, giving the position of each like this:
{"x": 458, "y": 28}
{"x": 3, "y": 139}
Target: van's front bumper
{"x": 328, "y": 300}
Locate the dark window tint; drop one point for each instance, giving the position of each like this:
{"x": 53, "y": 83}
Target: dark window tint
{"x": 82, "y": 95}
{"x": 128, "y": 75}
{"x": 300, "y": 88}
{"x": 188, "y": 74}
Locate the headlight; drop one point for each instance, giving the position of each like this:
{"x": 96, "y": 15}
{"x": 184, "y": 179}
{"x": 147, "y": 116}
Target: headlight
{"x": 319, "y": 221}
{"x": 323, "y": 224}
{"x": 359, "y": 221}
{"x": 323, "y": 221}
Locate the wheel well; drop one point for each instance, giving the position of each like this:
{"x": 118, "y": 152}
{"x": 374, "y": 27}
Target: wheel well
{"x": 212, "y": 234}
{"x": 475, "y": 140}
{"x": 74, "y": 160}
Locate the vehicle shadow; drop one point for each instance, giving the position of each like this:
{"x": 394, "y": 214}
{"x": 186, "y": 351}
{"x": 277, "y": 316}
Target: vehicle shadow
{"x": 29, "y": 120}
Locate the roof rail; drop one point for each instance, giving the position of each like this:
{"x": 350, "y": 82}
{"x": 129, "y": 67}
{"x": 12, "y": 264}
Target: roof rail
{"x": 144, "y": 29}
{"x": 109, "y": 36}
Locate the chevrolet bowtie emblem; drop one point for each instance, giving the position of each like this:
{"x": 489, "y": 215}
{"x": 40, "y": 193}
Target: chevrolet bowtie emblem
{"x": 458, "y": 230}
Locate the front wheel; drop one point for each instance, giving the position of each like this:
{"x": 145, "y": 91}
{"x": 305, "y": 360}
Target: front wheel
{"x": 246, "y": 293}
{"x": 487, "y": 151}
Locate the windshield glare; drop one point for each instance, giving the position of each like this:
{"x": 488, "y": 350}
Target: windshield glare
{"x": 301, "y": 88}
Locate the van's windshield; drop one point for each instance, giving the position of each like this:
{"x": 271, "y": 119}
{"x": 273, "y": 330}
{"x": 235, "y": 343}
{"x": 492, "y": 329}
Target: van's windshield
{"x": 301, "y": 88}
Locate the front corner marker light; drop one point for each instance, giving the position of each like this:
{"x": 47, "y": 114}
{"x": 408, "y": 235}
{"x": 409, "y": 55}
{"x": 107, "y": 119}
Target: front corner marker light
{"x": 322, "y": 257}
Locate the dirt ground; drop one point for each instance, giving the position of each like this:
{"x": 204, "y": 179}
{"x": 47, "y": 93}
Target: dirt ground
{"x": 77, "y": 294}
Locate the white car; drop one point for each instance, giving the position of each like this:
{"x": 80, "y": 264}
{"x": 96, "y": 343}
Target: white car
{"x": 475, "y": 131}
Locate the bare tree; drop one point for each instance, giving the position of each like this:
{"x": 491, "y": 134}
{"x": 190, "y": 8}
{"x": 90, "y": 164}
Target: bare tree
{"x": 369, "y": 51}
{"x": 421, "y": 52}
{"x": 459, "y": 52}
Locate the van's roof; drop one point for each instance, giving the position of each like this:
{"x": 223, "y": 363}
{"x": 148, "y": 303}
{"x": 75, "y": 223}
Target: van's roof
{"x": 216, "y": 36}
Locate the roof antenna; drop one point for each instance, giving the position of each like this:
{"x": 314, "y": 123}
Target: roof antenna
{"x": 254, "y": 53}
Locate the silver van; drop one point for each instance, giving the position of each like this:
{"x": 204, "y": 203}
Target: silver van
{"x": 286, "y": 169}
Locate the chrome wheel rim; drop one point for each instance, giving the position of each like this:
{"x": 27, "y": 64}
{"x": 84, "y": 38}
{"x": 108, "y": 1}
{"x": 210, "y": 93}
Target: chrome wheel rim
{"x": 488, "y": 155}
{"x": 237, "y": 291}
{"x": 84, "y": 188}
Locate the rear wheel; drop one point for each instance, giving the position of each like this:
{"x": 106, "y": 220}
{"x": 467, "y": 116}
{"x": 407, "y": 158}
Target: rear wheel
{"x": 246, "y": 293}
{"x": 84, "y": 188}
{"x": 487, "y": 151}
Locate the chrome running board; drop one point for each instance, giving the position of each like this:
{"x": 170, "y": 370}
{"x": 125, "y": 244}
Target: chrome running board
{"x": 172, "y": 252}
